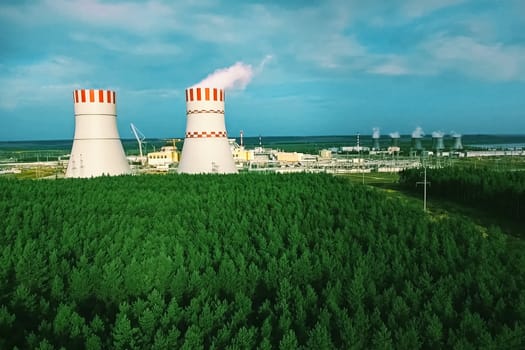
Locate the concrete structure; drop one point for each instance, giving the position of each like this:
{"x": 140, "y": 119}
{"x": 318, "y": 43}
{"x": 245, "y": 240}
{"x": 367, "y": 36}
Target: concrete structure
{"x": 97, "y": 149}
{"x": 165, "y": 157}
{"x": 416, "y": 143}
{"x": 457, "y": 142}
{"x": 289, "y": 157}
{"x": 376, "y": 145}
{"x": 325, "y": 154}
{"x": 394, "y": 141}
{"x": 239, "y": 153}
{"x": 206, "y": 148}
{"x": 437, "y": 143}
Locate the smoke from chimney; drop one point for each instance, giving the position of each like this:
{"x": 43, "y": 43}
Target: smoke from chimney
{"x": 418, "y": 133}
{"x": 438, "y": 134}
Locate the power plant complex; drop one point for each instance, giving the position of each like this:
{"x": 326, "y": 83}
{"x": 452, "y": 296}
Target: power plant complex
{"x": 97, "y": 149}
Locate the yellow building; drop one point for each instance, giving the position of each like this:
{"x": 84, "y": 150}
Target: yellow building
{"x": 166, "y": 156}
{"x": 325, "y": 153}
{"x": 292, "y": 157}
{"x": 242, "y": 155}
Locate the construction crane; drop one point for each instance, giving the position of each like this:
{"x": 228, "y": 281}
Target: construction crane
{"x": 140, "y": 139}
{"x": 139, "y": 136}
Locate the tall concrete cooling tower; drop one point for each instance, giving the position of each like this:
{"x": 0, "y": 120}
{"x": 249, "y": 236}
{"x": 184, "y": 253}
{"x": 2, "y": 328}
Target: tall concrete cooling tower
{"x": 97, "y": 149}
{"x": 206, "y": 148}
{"x": 457, "y": 142}
{"x": 438, "y": 143}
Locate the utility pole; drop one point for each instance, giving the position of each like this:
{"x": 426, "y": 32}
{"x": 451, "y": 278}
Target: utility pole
{"x": 424, "y": 183}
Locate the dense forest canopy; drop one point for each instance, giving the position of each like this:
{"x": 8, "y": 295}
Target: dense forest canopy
{"x": 247, "y": 261}
{"x": 500, "y": 192}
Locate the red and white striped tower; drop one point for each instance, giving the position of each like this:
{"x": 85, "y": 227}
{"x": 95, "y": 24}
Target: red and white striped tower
{"x": 206, "y": 148}
{"x": 97, "y": 149}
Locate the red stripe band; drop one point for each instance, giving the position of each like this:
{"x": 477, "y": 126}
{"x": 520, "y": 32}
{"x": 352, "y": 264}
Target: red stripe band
{"x": 205, "y": 134}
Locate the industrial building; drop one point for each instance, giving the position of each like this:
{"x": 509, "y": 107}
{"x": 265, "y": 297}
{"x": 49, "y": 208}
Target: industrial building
{"x": 162, "y": 159}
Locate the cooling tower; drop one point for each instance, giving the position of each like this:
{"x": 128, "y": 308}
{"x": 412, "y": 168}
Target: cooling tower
{"x": 395, "y": 141}
{"x": 416, "y": 143}
{"x": 97, "y": 149}
{"x": 376, "y": 145}
{"x": 206, "y": 148}
{"x": 437, "y": 143}
{"x": 457, "y": 142}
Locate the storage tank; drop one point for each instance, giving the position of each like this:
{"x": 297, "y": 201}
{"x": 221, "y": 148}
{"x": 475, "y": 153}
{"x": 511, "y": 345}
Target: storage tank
{"x": 206, "y": 148}
{"x": 97, "y": 149}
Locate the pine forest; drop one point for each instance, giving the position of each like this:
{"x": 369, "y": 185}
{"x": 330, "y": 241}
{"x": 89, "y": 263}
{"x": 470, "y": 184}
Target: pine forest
{"x": 251, "y": 261}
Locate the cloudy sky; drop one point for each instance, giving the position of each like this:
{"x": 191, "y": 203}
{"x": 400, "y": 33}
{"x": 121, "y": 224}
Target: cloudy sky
{"x": 328, "y": 67}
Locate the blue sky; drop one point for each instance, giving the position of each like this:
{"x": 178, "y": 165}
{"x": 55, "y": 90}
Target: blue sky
{"x": 319, "y": 67}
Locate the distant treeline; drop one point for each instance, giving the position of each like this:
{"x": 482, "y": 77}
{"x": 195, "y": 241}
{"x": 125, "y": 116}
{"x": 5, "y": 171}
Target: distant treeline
{"x": 501, "y": 192}
{"x": 247, "y": 262}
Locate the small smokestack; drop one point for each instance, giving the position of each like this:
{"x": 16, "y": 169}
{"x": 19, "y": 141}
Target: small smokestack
{"x": 242, "y": 135}
{"x": 457, "y": 142}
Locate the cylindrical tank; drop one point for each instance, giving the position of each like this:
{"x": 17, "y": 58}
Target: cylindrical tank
{"x": 206, "y": 148}
{"x": 97, "y": 149}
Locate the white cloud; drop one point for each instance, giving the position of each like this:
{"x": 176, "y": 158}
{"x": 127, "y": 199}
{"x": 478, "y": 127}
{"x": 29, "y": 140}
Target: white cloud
{"x": 419, "y": 8}
{"x": 487, "y": 61}
{"x": 140, "y": 48}
{"x": 44, "y": 82}
{"x": 389, "y": 68}
{"x": 147, "y": 17}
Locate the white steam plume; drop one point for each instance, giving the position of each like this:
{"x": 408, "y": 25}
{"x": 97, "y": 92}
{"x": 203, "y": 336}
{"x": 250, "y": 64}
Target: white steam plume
{"x": 263, "y": 63}
{"x": 438, "y": 134}
{"x": 237, "y": 76}
{"x": 418, "y": 133}
{"x": 455, "y": 134}
{"x": 394, "y": 135}
{"x": 375, "y": 133}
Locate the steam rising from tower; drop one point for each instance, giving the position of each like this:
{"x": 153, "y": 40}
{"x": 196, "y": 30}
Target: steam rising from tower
{"x": 375, "y": 136}
{"x": 457, "y": 142}
{"x": 97, "y": 149}
{"x": 206, "y": 148}
{"x": 395, "y": 138}
{"x": 437, "y": 138}
{"x": 417, "y": 134}
{"x": 237, "y": 76}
